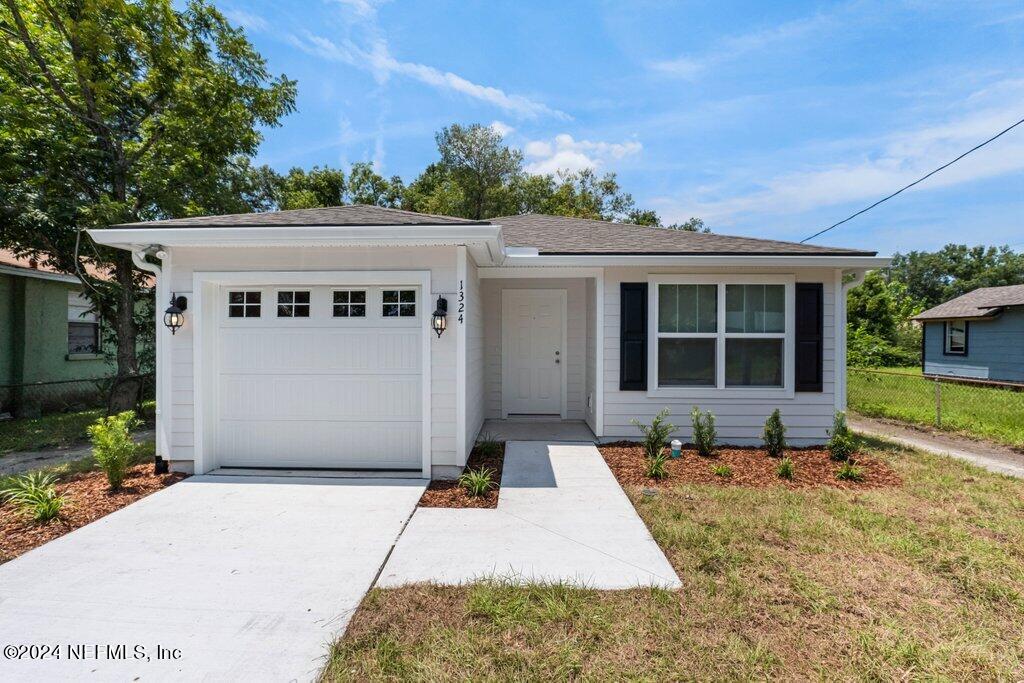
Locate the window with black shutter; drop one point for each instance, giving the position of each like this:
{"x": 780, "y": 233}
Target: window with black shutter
{"x": 633, "y": 336}
{"x": 810, "y": 323}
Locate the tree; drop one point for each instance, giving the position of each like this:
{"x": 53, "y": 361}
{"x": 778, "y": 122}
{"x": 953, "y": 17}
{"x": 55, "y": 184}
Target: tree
{"x": 116, "y": 111}
{"x": 301, "y": 189}
{"x": 478, "y": 161}
{"x": 934, "y": 277}
{"x": 692, "y": 225}
{"x": 366, "y": 186}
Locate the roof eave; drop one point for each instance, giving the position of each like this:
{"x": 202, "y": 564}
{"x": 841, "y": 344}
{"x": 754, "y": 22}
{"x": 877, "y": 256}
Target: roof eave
{"x": 767, "y": 260}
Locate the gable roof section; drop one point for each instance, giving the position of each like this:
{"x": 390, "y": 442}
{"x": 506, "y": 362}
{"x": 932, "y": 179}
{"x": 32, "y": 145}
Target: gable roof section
{"x": 563, "y": 235}
{"x": 349, "y": 215}
{"x": 550, "y": 235}
{"x": 979, "y": 303}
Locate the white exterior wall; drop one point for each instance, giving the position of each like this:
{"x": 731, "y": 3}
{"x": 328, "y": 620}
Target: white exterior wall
{"x": 576, "y": 339}
{"x": 739, "y": 420}
{"x": 440, "y": 261}
{"x": 590, "y": 392}
{"x": 474, "y": 322}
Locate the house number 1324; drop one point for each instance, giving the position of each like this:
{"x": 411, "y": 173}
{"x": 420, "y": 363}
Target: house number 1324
{"x": 462, "y": 300}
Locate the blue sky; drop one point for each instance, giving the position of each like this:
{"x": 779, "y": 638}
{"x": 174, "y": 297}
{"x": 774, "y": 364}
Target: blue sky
{"x": 765, "y": 119}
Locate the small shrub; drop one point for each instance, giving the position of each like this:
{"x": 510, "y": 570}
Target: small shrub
{"x": 722, "y": 470}
{"x": 655, "y": 434}
{"x": 477, "y": 482}
{"x": 33, "y": 493}
{"x": 775, "y": 434}
{"x": 488, "y": 445}
{"x": 113, "y": 447}
{"x": 841, "y": 444}
{"x": 704, "y": 433}
{"x": 849, "y": 472}
{"x": 786, "y": 469}
{"x": 657, "y": 466}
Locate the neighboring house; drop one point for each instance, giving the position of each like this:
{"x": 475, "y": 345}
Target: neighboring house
{"x": 48, "y": 331}
{"x": 979, "y": 335}
{"x": 308, "y": 339}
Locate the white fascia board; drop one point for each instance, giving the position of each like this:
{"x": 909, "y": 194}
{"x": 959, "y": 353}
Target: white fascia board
{"x": 595, "y": 260}
{"x": 486, "y": 237}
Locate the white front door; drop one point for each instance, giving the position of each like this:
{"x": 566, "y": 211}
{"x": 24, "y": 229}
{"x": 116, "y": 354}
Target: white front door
{"x": 533, "y": 352}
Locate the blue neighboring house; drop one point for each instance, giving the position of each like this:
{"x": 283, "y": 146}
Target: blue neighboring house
{"x": 979, "y": 335}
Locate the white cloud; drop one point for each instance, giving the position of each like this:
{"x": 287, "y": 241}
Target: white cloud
{"x": 564, "y": 153}
{"x": 502, "y": 128}
{"x": 247, "y": 20}
{"x": 362, "y": 8}
{"x": 379, "y": 61}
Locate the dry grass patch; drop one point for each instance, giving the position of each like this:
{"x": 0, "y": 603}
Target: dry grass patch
{"x": 922, "y": 581}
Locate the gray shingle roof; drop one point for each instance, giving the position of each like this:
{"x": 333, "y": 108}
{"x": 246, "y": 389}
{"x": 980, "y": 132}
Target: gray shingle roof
{"x": 979, "y": 303}
{"x": 548, "y": 234}
{"x": 352, "y": 214}
{"x": 564, "y": 235}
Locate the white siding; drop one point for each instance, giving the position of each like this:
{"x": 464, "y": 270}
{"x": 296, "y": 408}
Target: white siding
{"x": 739, "y": 420}
{"x": 590, "y": 373}
{"x": 439, "y": 260}
{"x": 474, "y": 321}
{"x": 576, "y": 343}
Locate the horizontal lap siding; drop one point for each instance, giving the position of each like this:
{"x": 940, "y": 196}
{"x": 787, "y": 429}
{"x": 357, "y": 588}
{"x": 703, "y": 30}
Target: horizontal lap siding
{"x": 739, "y": 421}
{"x": 440, "y": 261}
{"x": 576, "y": 333}
{"x": 994, "y": 346}
{"x": 474, "y": 353}
{"x": 590, "y": 395}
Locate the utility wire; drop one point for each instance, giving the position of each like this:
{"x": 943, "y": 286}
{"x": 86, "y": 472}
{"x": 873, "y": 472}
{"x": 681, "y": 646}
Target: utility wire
{"x": 921, "y": 179}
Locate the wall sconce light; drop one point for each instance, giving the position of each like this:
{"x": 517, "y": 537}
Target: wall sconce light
{"x": 174, "y": 316}
{"x": 439, "y": 321}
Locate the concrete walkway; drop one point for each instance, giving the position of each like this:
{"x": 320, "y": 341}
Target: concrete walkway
{"x": 550, "y": 431}
{"x": 561, "y": 516}
{"x": 23, "y": 461}
{"x": 995, "y": 458}
{"x": 244, "y": 578}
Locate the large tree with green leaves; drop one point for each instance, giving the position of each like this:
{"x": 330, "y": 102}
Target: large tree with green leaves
{"x": 115, "y": 111}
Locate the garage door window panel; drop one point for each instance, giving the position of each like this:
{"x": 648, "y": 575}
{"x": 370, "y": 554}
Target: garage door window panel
{"x": 349, "y": 303}
{"x": 398, "y": 303}
{"x": 293, "y": 304}
{"x": 244, "y": 304}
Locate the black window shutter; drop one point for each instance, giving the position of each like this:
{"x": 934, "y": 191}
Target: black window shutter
{"x": 633, "y": 336}
{"x": 810, "y": 333}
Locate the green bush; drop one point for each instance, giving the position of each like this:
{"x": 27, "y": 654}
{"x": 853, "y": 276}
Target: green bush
{"x": 477, "y": 482}
{"x": 849, "y": 472}
{"x": 841, "y": 444}
{"x": 655, "y": 434}
{"x": 723, "y": 471}
{"x": 704, "y": 433}
{"x": 786, "y": 469}
{"x": 656, "y": 467}
{"x": 866, "y": 350}
{"x": 774, "y": 434}
{"x": 112, "y": 446}
{"x": 34, "y": 494}
{"x": 488, "y": 445}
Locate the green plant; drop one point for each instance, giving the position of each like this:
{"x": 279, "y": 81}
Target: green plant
{"x": 722, "y": 470}
{"x": 656, "y": 433}
{"x": 33, "y": 493}
{"x": 477, "y": 482}
{"x": 656, "y": 466}
{"x": 786, "y": 469}
{"x": 774, "y": 434}
{"x": 488, "y": 445}
{"x": 112, "y": 445}
{"x": 703, "y": 431}
{"x": 841, "y": 444}
{"x": 849, "y": 472}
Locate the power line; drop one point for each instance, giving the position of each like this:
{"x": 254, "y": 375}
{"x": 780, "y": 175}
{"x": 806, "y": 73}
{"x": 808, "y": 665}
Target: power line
{"x": 921, "y": 179}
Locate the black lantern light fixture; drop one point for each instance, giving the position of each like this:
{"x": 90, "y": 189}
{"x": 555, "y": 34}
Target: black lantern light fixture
{"x": 439, "y": 321}
{"x": 174, "y": 316}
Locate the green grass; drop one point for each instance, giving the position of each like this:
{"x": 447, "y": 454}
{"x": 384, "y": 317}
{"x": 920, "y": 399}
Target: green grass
{"x": 921, "y": 582}
{"x": 58, "y": 430}
{"x": 977, "y": 411}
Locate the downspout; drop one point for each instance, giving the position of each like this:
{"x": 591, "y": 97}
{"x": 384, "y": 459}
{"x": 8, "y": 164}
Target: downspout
{"x": 139, "y": 259}
{"x": 850, "y": 279}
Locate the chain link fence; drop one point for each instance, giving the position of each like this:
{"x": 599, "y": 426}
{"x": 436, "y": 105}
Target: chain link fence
{"x": 983, "y": 409}
{"x": 34, "y": 399}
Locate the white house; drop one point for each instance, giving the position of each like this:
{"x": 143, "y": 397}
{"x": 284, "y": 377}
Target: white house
{"x": 308, "y": 341}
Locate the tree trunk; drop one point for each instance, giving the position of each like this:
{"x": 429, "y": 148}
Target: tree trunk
{"x": 124, "y": 394}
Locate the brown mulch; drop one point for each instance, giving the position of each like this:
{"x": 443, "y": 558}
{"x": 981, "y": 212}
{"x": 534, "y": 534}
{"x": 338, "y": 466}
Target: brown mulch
{"x": 446, "y": 493}
{"x": 86, "y": 500}
{"x": 751, "y": 467}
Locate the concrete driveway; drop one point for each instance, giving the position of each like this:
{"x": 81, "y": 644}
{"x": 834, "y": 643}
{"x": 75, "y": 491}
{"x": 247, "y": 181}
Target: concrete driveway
{"x": 229, "y": 578}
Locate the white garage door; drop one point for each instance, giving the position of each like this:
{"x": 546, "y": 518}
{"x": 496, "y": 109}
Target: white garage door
{"x": 319, "y": 377}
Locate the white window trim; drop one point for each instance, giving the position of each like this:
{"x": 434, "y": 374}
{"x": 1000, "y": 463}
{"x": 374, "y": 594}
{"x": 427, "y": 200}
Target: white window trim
{"x": 787, "y": 390}
{"x": 948, "y": 330}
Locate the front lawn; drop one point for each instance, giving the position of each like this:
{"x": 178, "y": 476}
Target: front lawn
{"x": 57, "y": 430}
{"x": 923, "y": 580}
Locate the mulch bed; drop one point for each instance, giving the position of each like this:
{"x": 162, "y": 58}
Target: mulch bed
{"x": 86, "y": 500}
{"x": 751, "y": 467}
{"x": 446, "y": 493}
